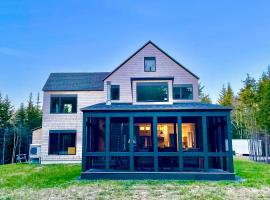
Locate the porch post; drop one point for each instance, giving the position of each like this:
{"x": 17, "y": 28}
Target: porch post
{"x": 131, "y": 145}
{"x": 230, "y": 157}
{"x": 84, "y": 142}
{"x": 205, "y": 143}
{"x": 180, "y": 146}
{"x": 107, "y": 143}
{"x": 155, "y": 137}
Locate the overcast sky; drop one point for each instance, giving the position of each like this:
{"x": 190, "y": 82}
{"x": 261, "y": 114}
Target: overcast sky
{"x": 220, "y": 41}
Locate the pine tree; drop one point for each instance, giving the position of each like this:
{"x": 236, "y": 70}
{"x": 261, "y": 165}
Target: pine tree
{"x": 6, "y": 113}
{"x": 226, "y": 96}
{"x": 205, "y": 98}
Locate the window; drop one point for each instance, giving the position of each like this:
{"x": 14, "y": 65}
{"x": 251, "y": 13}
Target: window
{"x": 62, "y": 142}
{"x": 183, "y": 91}
{"x": 115, "y": 92}
{"x": 149, "y": 64}
{"x": 64, "y": 104}
{"x": 152, "y": 92}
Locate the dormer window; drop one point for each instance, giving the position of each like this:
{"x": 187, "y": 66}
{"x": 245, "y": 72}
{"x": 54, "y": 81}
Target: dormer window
{"x": 149, "y": 64}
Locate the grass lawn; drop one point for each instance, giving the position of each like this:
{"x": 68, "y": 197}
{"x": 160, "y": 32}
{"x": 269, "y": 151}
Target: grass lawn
{"x": 23, "y": 181}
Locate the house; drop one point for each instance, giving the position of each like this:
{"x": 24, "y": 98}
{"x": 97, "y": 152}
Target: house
{"x": 142, "y": 120}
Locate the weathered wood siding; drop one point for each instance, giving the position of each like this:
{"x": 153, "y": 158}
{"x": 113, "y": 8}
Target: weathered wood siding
{"x": 37, "y": 136}
{"x": 164, "y": 67}
{"x": 66, "y": 122}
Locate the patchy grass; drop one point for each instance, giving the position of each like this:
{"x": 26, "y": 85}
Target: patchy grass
{"x": 38, "y": 176}
{"x": 23, "y": 181}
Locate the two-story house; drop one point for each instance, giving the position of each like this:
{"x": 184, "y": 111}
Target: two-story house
{"x": 142, "y": 120}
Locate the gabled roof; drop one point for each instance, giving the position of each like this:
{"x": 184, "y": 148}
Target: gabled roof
{"x": 157, "y": 107}
{"x": 75, "y": 81}
{"x": 150, "y": 42}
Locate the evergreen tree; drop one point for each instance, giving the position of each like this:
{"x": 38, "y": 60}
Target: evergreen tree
{"x": 226, "y": 96}
{"x": 263, "y": 114}
{"x": 205, "y": 98}
{"x": 6, "y": 113}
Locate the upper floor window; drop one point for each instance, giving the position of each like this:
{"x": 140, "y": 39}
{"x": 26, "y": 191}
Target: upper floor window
{"x": 152, "y": 92}
{"x": 149, "y": 64}
{"x": 64, "y": 104}
{"x": 115, "y": 92}
{"x": 184, "y": 91}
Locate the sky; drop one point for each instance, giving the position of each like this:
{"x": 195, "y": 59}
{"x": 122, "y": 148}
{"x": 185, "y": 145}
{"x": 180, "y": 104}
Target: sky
{"x": 220, "y": 41}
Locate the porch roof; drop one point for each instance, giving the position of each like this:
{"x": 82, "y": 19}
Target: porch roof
{"x": 155, "y": 107}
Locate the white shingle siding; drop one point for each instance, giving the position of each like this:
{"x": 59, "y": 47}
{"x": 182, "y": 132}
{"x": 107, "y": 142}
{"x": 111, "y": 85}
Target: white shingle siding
{"x": 165, "y": 67}
{"x": 66, "y": 122}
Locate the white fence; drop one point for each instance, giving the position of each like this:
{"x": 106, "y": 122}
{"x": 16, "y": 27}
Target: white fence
{"x": 241, "y": 146}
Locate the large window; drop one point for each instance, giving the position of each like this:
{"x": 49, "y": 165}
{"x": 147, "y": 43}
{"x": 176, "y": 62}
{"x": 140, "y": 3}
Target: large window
{"x": 115, "y": 92}
{"x": 64, "y": 104}
{"x": 62, "y": 143}
{"x": 119, "y": 136}
{"x": 143, "y": 134}
{"x": 149, "y": 64}
{"x": 182, "y": 91}
{"x": 152, "y": 92}
{"x": 96, "y": 134}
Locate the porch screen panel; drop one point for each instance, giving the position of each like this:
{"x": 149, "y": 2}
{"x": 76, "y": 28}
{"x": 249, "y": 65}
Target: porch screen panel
{"x": 119, "y": 134}
{"x": 192, "y": 136}
{"x": 217, "y": 134}
{"x": 143, "y": 134}
{"x": 96, "y": 134}
{"x": 167, "y": 134}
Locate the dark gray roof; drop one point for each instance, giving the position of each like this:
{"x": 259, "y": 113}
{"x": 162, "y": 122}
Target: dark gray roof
{"x": 175, "y": 106}
{"x": 75, "y": 81}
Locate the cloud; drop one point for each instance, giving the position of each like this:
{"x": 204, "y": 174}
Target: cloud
{"x": 12, "y": 52}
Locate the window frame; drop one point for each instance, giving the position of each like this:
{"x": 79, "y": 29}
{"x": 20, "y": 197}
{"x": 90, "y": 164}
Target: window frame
{"x": 60, "y": 97}
{"x": 59, "y": 132}
{"x": 116, "y": 87}
{"x": 179, "y": 86}
{"x": 149, "y": 58}
{"x": 137, "y": 85}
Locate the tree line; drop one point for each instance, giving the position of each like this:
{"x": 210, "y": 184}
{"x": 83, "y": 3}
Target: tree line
{"x": 16, "y": 127}
{"x": 251, "y": 106}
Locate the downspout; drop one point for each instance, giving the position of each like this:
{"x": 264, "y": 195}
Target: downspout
{"x": 108, "y": 102}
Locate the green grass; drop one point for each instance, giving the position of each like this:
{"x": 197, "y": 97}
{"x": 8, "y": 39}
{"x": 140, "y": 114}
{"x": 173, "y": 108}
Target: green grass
{"x": 38, "y": 176}
{"x": 26, "y": 181}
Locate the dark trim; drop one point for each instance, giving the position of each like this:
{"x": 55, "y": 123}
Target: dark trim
{"x": 63, "y": 95}
{"x": 154, "y": 58}
{"x": 40, "y": 127}
{"x": 62, "y": 131}
{"x": 181, "y": 86}
{"x": 111, "y": 92}
{"x": 150, "y": 42}
{"x": 158, "y": 175}
{"x": 156, "y": 84}
{"x": 151, "y": 78}
{"x": 70, "y": 90}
